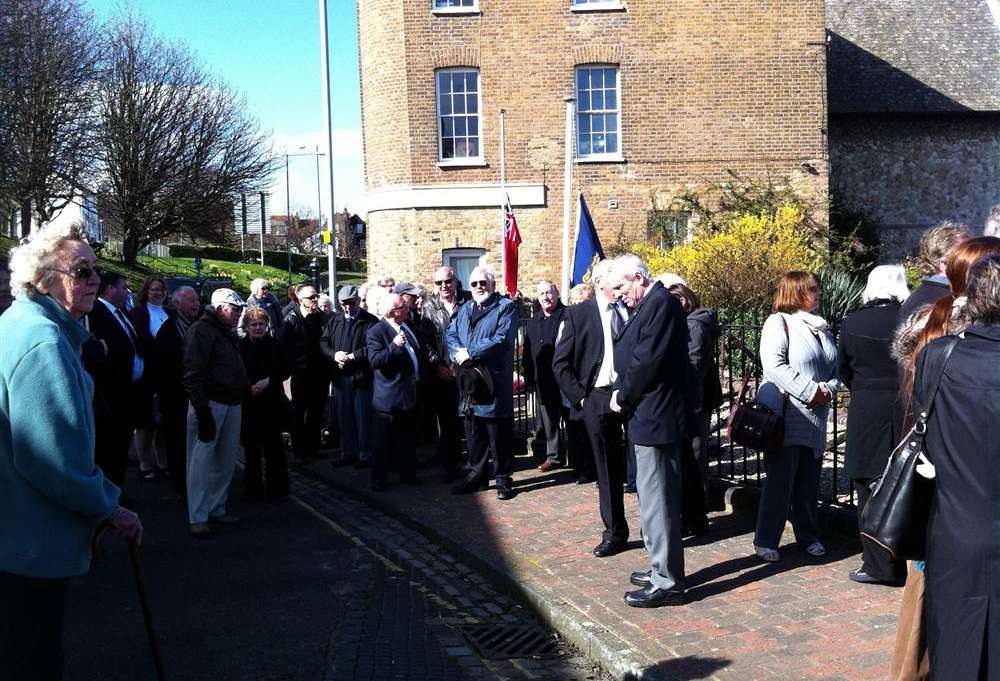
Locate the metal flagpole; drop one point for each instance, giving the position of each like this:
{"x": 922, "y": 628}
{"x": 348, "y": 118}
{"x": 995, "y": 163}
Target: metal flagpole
{"x": 263, "y": 219}
{"x": 503, "y": 192}
{"x": 331, "y": 249}
{"x": 567, "y": 189}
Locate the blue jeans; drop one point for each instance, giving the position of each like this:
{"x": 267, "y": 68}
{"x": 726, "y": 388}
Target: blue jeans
{"x": 792, "y": 485}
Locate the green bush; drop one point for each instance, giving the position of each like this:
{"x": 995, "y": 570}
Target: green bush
{"x": 279, "y": 259}
{"x": 841, "y": 293}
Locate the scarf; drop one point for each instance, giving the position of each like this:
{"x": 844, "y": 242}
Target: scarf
{"x": 815, "y": 323}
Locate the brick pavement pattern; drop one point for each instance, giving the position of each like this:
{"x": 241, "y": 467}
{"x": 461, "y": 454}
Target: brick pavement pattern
{"x": 797, "y": 619}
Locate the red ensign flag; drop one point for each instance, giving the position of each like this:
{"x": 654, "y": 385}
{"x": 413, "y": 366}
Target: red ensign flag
{"x": 511, "y": 240}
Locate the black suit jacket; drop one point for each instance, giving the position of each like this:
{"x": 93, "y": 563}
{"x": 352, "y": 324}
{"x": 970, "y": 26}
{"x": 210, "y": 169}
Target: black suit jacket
{"x": 112, "y": 368}
{"x": 928, "y": 293}
{"x": 651, "y": 360}
{"x": 395, "y": 385}
{"x": 333, "y": 341}
{"x": 579, "y": 352}
{"x": 536, "y": 355}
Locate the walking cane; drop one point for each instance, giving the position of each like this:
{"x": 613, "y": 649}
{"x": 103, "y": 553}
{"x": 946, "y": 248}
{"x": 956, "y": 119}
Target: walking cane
{"x": 147, "y": 616}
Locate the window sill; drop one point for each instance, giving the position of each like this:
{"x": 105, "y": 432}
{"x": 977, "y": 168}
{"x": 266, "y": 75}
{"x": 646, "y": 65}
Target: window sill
{"x": 455, "y": 11}
{"x": 463, "y": 163}
{"x": 609, "y": 158}
{"x": 598, "y": 7}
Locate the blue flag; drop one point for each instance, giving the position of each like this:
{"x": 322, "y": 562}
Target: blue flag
{"x": 588, "y": 246}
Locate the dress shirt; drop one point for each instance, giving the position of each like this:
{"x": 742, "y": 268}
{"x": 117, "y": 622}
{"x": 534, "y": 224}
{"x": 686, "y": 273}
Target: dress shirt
{"x": 157, "y": 315}
{"x": 607, "y": 375}
{"x": 137, "y": 364}
{"x": 410, "y": 346}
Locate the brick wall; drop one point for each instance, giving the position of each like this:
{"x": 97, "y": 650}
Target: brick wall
{"x": 705, "y": 86}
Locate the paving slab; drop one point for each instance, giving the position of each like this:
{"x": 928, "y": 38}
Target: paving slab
{"x": 800, "y": 618}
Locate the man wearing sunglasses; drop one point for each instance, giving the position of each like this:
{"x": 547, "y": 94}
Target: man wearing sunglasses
{"x": 441, "y": 309}
{"x": 300, "y": 335}
{"x": 484, "y": 333}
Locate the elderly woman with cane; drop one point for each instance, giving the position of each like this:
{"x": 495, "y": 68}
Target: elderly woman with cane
{"x": 52, "y": 496}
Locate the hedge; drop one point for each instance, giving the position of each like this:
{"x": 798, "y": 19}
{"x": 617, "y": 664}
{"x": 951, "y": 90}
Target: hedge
{"x": 279, "y": 259}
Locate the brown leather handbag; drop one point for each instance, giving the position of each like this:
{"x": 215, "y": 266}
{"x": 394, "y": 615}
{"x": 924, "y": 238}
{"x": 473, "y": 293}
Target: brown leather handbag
{"x": 752, "y": 424}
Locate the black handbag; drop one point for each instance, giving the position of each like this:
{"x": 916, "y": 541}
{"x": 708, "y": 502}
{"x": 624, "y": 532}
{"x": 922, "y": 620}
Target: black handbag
{"x": 752, "y": 424}
{"x": 894, "y": 520}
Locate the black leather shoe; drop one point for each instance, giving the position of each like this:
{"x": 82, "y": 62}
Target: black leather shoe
{"x": 585, "y": 480}
{"x": 630, "y": 489}
{"x": 504, "y": 490}
{"x": 468, "y": 486}
{"x": 609, "y": 547}
{"x": 865, "y": 578}
{"x": 640, "y": 579}
{"x": 653, "y": 597}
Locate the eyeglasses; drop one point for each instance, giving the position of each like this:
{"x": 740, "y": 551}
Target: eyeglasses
{"x": 265, "y": 288}
{"x": 314, "y": 296}
{"x": 81, "y": 272}
{"x": 445, "y": 281}
{"x": 482, "y": 282}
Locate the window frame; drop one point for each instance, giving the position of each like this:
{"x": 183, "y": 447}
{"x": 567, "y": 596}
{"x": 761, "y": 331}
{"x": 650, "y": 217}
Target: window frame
{"x": 606, "y": 157}
{"x": 676, "y": 217}
{"x": 596, "y": 6}
{"x": 465, "y": 9}
{"x": 462, "y": 161}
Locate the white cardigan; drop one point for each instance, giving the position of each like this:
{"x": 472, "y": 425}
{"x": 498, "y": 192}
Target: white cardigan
{"x": 795, "y": 364}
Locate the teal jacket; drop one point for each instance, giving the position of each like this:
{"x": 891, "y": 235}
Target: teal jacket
{"x": 52, "y": 496}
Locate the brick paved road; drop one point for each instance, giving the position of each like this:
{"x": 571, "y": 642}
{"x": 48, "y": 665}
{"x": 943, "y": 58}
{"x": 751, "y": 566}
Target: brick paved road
{"x": 322, "y": 587}
{"x": 799, "y": 619}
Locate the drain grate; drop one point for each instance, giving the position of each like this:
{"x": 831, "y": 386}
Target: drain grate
{"x": 504, "y": 642}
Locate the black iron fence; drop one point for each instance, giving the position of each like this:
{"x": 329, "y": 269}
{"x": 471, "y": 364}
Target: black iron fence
{"x": 736, "y": 356}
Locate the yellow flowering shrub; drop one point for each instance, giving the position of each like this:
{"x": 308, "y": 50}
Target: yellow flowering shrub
{"x": 738, "y": 266}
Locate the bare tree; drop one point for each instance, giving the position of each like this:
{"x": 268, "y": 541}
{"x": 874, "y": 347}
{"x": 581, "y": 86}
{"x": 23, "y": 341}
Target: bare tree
{"x": 48, "y": 72}
{"x": 176, "y": 144}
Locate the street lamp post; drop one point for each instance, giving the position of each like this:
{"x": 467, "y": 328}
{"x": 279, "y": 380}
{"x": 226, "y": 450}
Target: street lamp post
{"x": 288, "y": 221}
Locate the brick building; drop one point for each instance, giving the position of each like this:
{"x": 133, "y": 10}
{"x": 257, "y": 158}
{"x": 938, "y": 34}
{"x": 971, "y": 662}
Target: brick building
{"x": 915, "y": 112}
{"x": 670, "y": 95}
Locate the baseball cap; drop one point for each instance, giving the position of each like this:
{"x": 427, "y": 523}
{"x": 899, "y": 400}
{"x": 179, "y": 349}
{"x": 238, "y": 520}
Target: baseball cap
{"x": 347, "y": 293}
{"x": 406, "y": 287}
{"x": 228, "y": 296}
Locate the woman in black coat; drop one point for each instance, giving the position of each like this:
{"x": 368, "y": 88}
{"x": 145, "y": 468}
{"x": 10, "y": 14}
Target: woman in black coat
{"x": 263, "y": 412}
{"x": 874, "y": 417}
{"x": 963, "y": 534}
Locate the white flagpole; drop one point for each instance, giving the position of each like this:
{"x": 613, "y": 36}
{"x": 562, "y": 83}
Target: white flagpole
{"x": 567, "y": 193}
{"x": 331, "y": 249}
{"x": 503, "y": 192}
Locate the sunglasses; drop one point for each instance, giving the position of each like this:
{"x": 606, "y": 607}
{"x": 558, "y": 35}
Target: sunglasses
{"x": 444, "y": 282}
{"x": 81, "y": 272}
{"x": 314, "y": 296}
{"x": 482, "y": 282}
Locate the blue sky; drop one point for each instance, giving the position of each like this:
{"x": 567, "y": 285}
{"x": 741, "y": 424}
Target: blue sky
{"x": 269, "y": 51}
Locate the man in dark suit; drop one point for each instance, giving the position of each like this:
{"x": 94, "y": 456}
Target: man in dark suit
{"x": 584, "y": 367}
{"x": 936, "y": 245}
{"x": 393, "y": 352}
{"x": 300, "y": 334}
{"x": 539, "y": 344}
{"x": 344, "y": 344}
{"x": 651, "y": 362}
{"x": 115, "y": 361}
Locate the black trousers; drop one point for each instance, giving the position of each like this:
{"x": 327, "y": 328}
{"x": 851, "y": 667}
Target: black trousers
{"x": 31, "y": 628}
{"x": 395, "y": 444}
{"x": 876, "y": 563}
{"x": 486, "y": 436}
{"x": 606, "y": 431}
{"x": 173, "y": 420}
{"x": 444, "y": 397}
{"x": 581, "y": 457}
{"x": 264, "y": 443}
{"x": 111, "y": 444}
{"x": 692, "y": 489}
{"x": 309, "y": 395}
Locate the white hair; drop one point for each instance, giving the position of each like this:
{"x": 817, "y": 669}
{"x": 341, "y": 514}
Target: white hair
{"x": 668, "y": 279}
{"x": 886, "y": 281}
{"x": 30, "y": 262}
{"x": 176, "y": 296}
{"x": 630, "y": 265}
{"x": 993, "y": 222}
{"x": 386, "y": 302}
{"x": 324, "y": 302}
{"x": 486, "y": 272}
{"x": 601, "y": 270}
{"x": 257, "y": 284}
{"x": 547, "y": 284}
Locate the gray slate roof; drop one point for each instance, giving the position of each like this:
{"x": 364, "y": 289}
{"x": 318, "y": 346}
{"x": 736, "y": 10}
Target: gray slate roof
{"x": 912, "y": 56}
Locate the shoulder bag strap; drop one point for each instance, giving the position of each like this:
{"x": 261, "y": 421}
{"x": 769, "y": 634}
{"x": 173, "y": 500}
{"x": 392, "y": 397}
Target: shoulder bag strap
{"x": 920, "y": 424}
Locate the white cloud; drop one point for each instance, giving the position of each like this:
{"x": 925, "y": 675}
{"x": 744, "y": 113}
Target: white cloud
{"x": 348, "y": 172}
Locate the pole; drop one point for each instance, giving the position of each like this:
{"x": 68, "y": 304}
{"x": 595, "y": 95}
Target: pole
{"x": 567, "y": 188}
{"x": 263, "y": 220}
{"x": 243, "y": 230}
{"x": 331, "y": 249}
{"x": 503, "y": 190}
{"x": 288, "y": 221}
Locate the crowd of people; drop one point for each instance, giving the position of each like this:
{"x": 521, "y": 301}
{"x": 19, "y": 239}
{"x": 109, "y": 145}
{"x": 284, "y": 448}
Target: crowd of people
{"x": 625, "y": 381}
